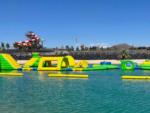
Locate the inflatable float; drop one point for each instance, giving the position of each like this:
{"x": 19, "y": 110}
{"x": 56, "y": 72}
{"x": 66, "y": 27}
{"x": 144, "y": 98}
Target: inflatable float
{"x": 69, "y": 75}
{"x": 104, "y": 65}
{"x": 11, "y": 74}
{"x": 135, "y": 77}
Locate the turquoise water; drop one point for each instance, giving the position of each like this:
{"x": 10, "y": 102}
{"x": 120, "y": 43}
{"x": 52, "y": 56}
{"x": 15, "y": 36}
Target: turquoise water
{"x": 103, "y": 92}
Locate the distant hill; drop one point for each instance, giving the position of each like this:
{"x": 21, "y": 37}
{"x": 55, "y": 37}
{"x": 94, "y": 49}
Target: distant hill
{"x": 123, "y": 46}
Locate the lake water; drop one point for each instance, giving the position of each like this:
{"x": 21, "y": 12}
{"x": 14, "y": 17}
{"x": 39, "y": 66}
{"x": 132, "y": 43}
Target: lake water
{"x": 103, "y": 92}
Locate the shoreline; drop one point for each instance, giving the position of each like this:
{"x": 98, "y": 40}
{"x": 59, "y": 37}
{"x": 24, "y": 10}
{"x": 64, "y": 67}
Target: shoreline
{"x": 138, "y": 61}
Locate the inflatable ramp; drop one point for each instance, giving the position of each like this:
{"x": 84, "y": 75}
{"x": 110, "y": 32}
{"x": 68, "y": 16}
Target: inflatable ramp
{"x": 33, "y": 62}
{"x": 7, "y": 62}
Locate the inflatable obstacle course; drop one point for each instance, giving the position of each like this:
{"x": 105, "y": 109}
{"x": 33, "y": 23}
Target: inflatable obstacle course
{"x": 68, "y": 63}
{"x": 7, "y": 62}
{"x": 65, "y": 63}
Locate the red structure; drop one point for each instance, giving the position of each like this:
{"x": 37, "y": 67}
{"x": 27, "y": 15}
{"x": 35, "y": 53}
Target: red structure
{"x": 33, "y": 42}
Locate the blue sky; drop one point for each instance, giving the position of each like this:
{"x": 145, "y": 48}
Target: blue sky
{"x": 59, "y": 22}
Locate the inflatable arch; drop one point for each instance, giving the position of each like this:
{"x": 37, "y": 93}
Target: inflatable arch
{"x": 71, "y": 61}
{"x": 54, "y": 63}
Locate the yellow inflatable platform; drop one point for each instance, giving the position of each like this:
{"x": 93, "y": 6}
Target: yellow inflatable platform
{"x": 135, "y": 77}
{"x": 11, "y": 74}
{"x": 69, "y": 75}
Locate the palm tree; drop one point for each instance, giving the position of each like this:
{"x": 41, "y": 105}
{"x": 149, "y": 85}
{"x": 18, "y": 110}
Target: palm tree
{"x": 77, "y": 48}
{"x": 71, "y": 48}
{"x": 7, "y": 46}
{"x": 125, "y": 54}
{"x": 3, "y": 45}
{"x": 82, "y": 47}
{"x": 67, "y": 47}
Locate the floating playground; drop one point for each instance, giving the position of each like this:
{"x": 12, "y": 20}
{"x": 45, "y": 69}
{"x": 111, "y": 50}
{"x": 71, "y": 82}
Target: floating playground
{"x": 66, "y": 63}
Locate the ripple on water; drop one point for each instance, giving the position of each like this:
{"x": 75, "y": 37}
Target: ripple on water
{"x": 103, "y": 92}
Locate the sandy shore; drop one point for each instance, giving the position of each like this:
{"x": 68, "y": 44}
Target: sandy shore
{"x": 114, "y": 61}
{"x": 139, "y": 61}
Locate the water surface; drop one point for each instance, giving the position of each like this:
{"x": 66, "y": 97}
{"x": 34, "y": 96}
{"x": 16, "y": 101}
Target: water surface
{"x": 103, "y": 92}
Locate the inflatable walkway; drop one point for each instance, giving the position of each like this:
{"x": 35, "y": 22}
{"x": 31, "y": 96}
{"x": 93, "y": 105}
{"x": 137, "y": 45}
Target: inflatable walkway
{"x": 7, "y": 62}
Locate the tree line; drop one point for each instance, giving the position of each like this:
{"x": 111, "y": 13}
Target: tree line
{"x": 4, "y": 46}
{"x": 119, "y": 51}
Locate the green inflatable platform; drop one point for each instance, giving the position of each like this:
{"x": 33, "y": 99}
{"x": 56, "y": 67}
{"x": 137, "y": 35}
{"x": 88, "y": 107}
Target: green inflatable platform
{"x": 105, "y": 66}
{"x": 144, "y": 67}
{"x": 95, "y": 68}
